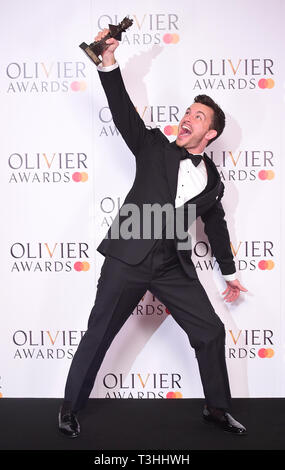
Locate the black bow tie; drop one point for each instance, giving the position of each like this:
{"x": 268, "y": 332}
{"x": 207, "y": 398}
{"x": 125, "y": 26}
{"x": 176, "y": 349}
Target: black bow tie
{"x": 196, "y": 159}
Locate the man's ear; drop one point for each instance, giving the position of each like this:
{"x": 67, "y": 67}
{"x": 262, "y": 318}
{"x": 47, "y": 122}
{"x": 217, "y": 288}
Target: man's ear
{"x": 211, "y": 134}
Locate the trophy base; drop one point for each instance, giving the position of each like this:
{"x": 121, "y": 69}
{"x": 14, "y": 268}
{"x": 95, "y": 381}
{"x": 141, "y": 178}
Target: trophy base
{"x": 88, "y": 51}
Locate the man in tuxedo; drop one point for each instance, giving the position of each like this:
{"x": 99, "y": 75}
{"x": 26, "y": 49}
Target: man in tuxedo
{"x": 178, "y": 174}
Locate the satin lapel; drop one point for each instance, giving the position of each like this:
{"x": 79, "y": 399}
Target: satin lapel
{"x": 214, "y": 184}
{"x": 172, "y": 162}
{"x": 210, "y": 165}
{"x": 211, "y": 172}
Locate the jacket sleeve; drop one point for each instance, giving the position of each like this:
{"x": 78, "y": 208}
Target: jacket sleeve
{"x": 126, "y": 118}
{"x": 218, "y": 236}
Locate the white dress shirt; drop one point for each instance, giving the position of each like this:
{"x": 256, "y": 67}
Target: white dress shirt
{"x": 191, "y": 179}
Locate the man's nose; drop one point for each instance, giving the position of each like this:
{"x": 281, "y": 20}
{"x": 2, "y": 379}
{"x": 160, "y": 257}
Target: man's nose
{"x": 188, "y": 120}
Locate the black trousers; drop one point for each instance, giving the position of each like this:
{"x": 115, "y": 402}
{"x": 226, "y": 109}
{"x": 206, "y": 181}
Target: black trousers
{"x": 120, "y": 288}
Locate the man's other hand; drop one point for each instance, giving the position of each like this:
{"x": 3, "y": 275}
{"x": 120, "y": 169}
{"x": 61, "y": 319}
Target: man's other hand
{"x": 233, "y": 290}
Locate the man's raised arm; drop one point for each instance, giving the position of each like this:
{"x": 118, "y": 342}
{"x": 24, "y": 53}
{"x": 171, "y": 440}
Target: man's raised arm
{"x": 125, "y": 116}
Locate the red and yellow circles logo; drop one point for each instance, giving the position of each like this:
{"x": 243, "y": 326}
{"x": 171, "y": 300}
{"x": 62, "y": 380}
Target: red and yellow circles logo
{"x": 78, "y": 86}
{"x": 170, "y": 130}
{"x": 81, "y": 266}
{"x": 171, "y": 38}
{"x": 266, "y": 83}
{"x": 266, "y": 175}
{"x": 80, "y": 177}
{"x": 174, "y": 395}
{"x": 266, "y": 353}
{"x": 266, "y": 264}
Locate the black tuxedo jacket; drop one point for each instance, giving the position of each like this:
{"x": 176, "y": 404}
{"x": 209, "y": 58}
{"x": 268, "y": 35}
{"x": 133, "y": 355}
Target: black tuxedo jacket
{"x": 157, "y": 165}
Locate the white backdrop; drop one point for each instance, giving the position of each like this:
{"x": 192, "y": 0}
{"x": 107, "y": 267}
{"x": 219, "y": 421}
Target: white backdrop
{"x": 65, "y": 172}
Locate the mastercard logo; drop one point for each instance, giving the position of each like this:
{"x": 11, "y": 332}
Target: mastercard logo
{"x": 266, "y": 353}
{"x": 78, "y": 86}
{"x": 171, "y": 38}
{"x": 81, "y": 266}
{"x": 174, "y": 395}
{"x": 80, "y": 177}
{"x": 266, "y": 175}
{"x": 266, "y": 83}
{"x": 263, "y": 265}
{"x": 171, "y": 130}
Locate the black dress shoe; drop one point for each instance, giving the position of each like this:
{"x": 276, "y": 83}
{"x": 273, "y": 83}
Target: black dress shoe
{"x": 225, "y": 421}
{"x": 68, "y": 423}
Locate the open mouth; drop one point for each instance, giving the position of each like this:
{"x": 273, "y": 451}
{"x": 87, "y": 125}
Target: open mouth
{"x": 185, "y": 131}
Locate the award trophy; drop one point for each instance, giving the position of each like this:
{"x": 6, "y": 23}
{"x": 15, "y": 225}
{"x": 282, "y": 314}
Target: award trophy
{"x": 97, "y": 47}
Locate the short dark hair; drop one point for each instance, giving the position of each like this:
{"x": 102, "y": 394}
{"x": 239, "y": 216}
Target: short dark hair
{"x": 219, "y": 119}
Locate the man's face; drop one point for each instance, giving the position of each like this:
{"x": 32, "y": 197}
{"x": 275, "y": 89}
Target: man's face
{"x": 194, "y": 130}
